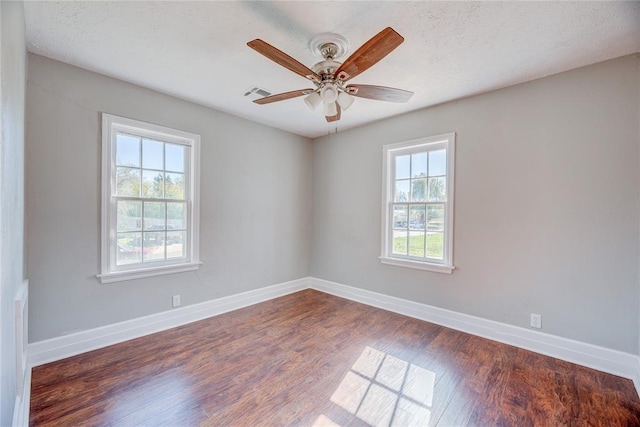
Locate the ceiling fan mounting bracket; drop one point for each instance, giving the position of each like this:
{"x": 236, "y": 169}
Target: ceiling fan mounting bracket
{"x": 329, "y": 50}
{"x": 343, "y": 76}
{"x": 329, "y": 46}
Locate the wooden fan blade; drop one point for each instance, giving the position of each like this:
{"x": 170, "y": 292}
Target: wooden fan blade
{"x": 281, "y": 58}
{"x": 282, "y": 96}
{"x": 334, "y": 118}
{"x": 369, "y": 53}
{"x": 379, "y": 93}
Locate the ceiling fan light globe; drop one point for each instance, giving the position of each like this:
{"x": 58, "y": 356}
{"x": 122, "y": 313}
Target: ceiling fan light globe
{"x": 330, "y": 109}
{"x": 329, "y": 93}
{"x": 345, "y": 100}
{"x": 313, "y": 100}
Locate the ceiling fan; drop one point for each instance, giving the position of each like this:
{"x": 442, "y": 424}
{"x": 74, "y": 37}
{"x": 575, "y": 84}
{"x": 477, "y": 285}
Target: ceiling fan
{"x": 329, "y": 76}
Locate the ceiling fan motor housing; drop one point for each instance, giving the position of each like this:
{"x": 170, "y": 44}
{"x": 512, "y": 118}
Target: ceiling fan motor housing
{"x": 326, "y": 67}
{"x": 330, "y": 47}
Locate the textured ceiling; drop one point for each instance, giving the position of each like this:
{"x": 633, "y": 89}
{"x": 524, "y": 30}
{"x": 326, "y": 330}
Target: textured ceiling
{"x": 197, "y": 50}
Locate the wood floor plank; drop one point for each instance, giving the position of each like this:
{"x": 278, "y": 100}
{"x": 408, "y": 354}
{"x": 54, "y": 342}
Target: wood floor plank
{"x": 312, "y": 359}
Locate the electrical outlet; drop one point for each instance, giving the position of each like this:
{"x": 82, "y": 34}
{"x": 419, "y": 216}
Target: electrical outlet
{"x": 536, "y": 320}
{"x": 175, "y": 302}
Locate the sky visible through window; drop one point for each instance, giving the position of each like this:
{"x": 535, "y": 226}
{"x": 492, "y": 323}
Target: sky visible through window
{"x": 416, "y": 164}
{"x": 156, "y": 155}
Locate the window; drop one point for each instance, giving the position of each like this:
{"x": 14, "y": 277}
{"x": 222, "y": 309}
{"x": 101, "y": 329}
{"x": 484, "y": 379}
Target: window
{"x": 150, "y": 189}
{"x": 418, "y": 204}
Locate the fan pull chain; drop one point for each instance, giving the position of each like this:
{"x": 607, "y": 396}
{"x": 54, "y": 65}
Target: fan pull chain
{"x": 335, "y": 130}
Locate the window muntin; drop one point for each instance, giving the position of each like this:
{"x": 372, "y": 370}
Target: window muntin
{"x": 418, "y": 203}
{"x": 150, "y": 215}
{"x": 150, "y": 206}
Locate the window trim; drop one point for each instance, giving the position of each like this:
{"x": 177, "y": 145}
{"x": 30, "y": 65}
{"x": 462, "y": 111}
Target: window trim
{"x": 389, "y": 152}
{"x": 111, "y": 124}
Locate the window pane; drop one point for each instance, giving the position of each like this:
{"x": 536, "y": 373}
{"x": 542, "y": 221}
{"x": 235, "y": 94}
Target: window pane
{"x": 418, "y": 190}
{"x": 154, "y": 215}
{"x": 435, "y": 246}
{"x": 176, "y": 244}
{"x": 150, "y": 176}
{"x": 437, "y": 190}
{"x": 402, "y": 167}
{"x": 400, "y": 216}
{"x": 128, "y": 182}
{"x": 176, "y": 216}
{"x": 417, "y": 217}
{"x": 416, "y": 243}
{"x": 419, "y": 165}
{"x": 129, "y": 249}
{"x": 152, "y": 184}
{"x": 174, "y": 186}
{"x": 152, "y": 154}
{"x": 153, "y": 246}
{"x": 399, "y": 242}
{"x": 437, "y": 162}
{"x": 435, "y": 218}
{"x": 174, "y": 157}
{"x": 127, "y": 150}
{"x": 402, "y": 191}
{"x": 129, "y": 216}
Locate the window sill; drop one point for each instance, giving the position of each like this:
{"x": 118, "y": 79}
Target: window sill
{"x": 120, "y": 276}
{"x": 436, "y": 268}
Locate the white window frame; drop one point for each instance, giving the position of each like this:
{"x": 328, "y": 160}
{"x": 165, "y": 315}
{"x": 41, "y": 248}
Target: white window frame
{"x": 111, "y": 125}
{"x": 389, "y": 153}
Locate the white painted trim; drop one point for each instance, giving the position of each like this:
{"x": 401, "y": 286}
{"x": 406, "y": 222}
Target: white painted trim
{"x": 603, "y": 359}
{"x": 120, "y": 276}
{"x": 445, "y": 141}
{"x": 23, "y": 370}
{"x": 53, "y": 349}
{"x": 109, "y": 271}
{"x": 21, "y": 407}
{"x": 636, "y": 376}
{"x": 21, "y": 316}
{"x": 418, "y": 265}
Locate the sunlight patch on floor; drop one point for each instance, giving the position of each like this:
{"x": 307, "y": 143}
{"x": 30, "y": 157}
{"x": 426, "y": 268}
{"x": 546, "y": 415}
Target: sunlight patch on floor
{"x": 383, "y": 390}
{"x": 324, "y": 421}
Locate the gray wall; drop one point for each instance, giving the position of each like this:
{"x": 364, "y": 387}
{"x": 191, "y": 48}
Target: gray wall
{"x": 547, "y": 205}
{"x": 12, "y": 95}
{"x": 255, "y": 202}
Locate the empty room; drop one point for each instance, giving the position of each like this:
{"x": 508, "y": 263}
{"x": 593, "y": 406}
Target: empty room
{"x": 319, "y": 213}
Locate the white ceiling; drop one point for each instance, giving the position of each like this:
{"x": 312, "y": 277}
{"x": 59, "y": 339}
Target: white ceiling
{"x": 197, "y": 50}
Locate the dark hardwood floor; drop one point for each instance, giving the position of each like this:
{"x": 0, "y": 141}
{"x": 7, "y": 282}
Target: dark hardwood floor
{"x": 312, "y": 359}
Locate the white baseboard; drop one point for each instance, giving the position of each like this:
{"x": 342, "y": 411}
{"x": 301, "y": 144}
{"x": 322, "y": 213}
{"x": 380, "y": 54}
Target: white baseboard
{"x": 21, "y": 407}
{"x": 636, "y": 376}
{"x": 603, "y": 359}
{"x": 58, "y": 348}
